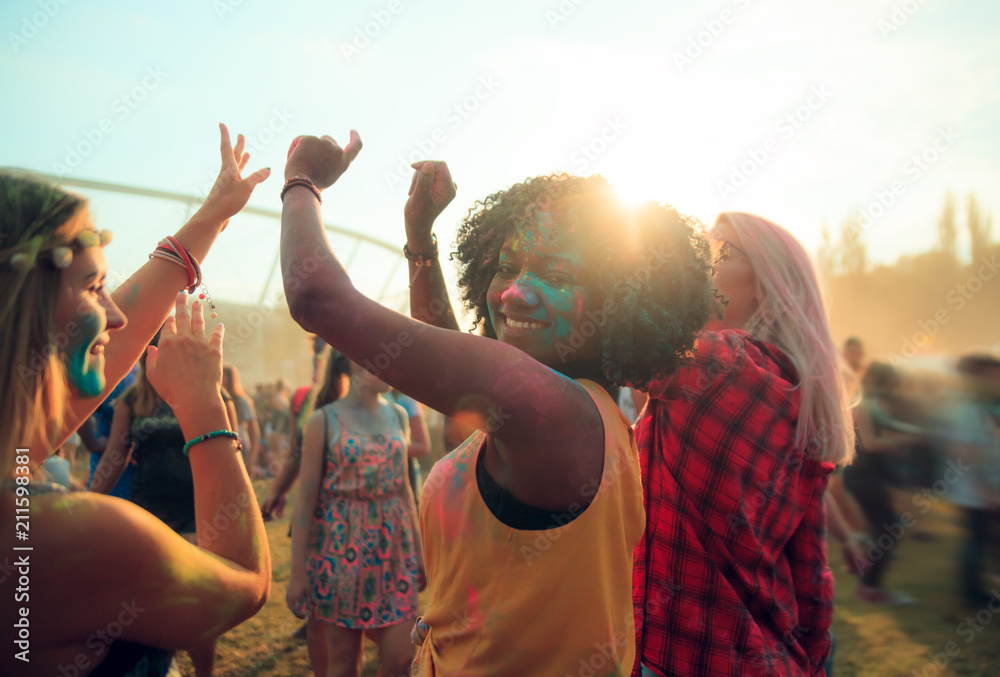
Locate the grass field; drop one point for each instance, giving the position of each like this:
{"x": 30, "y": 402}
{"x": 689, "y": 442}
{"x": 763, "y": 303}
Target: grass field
{"x": 871, "y": 641}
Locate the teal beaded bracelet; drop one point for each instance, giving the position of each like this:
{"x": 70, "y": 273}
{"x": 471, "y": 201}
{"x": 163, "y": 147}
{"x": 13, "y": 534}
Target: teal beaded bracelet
{"x": 217, "y": 433}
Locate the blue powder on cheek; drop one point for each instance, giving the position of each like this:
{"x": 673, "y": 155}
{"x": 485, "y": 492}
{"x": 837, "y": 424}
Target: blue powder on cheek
{"x": 88, "y": 381}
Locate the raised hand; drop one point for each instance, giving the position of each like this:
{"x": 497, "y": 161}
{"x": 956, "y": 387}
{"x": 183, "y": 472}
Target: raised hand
{"x": 231, "y": 191}
{"x": 186, "y": 367}
{"x": 321, "y": 160}
{"x": 431, "y": 190}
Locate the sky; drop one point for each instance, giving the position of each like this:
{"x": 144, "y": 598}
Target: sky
{"x": 800, "y": 112}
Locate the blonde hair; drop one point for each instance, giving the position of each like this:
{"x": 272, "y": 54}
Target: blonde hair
{"x": 141, "y": 394}
{"x": 792, "y": 315}
{"x": 35, "y": 217}
{"x": 231, "y": 381}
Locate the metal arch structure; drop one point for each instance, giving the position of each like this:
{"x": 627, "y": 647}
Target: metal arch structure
{"x": 192, "y": 201}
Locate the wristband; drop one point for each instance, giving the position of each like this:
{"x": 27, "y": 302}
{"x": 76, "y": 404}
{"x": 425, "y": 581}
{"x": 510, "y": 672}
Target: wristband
{"x": 300, "y": 181}
{"x": 217, "y": 433}
{"x": 427, "y": 258}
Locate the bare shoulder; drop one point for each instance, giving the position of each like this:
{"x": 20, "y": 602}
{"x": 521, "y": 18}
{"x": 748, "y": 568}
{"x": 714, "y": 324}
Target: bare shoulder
{"x": 82, "y": 546}
{"x": 399, "y": 412}
{"x": 98, "y": 559}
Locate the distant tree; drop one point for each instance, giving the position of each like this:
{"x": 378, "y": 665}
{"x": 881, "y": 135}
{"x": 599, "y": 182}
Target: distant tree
{"x": 979, "y": 230}
{"x": 851, "y": 248}
{"x": 947, "y": 233}
{"x": 826, "y": 257}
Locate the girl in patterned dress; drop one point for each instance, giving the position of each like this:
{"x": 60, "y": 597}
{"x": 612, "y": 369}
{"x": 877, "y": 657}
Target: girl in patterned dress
{"x": 356, "y": 561}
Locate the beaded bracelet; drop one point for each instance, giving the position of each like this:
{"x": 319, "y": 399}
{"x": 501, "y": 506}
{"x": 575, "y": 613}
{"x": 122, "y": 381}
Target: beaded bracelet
{"x": 170, "y": 249}
{"x": 216, "y": 433}
{"x": 300, "y": 181}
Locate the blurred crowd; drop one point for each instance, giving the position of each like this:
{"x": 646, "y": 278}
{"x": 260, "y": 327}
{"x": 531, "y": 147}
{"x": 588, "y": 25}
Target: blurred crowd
{"x": 928, "y": 430}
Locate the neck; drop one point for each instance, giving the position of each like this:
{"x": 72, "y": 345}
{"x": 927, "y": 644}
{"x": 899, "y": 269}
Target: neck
{"x": 362, "y": 398}
{"x": 589, "y": 369}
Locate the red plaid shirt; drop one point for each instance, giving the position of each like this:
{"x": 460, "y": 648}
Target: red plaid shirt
{"x": 730, "y": 577}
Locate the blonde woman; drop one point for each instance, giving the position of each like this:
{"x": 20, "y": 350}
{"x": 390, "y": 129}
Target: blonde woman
{"x": 736, "y": 449}
{"x": 246, "y": 413}
{"x": 111, "y": 588}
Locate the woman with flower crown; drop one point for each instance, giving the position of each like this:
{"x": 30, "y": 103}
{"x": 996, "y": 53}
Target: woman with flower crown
{"x": 99, "y": 586}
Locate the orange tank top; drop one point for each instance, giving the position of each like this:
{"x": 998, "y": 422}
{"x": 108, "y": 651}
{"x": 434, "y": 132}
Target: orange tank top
{"x": 550, "y": 602}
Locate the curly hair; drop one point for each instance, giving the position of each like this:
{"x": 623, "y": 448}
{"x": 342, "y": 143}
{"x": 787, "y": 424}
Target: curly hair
{"x": 653, "y": 265}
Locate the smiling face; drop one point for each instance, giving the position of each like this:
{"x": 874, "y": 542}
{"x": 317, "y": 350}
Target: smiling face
{"x": 85, "y": 314}
{"x": 539, "y": 297}
{"x": 734, "y": 279}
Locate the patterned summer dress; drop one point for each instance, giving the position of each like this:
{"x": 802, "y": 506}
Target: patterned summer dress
{"x": 362, "y": 559}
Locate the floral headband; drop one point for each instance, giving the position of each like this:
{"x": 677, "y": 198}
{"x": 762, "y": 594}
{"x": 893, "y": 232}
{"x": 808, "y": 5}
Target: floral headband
{"x": 61, "y": 255}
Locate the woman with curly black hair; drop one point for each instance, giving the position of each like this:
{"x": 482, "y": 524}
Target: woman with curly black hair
{"x": 529, "y": 526}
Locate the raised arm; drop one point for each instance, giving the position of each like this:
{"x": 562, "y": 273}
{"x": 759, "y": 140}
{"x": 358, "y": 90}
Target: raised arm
{"x": 546, "y": 428}
{"x": 871, "y": 439}
{"x": 117, "y": 453}
{"x": 179, "y": 594}
{"x": 420, "y": 436}
{"x": 274, "y": 504}
{"x": 147, "y": 297}
{"x": 253, "y": 431}
{"x": 431, "y": 190}
{"x": 93, "y": 442}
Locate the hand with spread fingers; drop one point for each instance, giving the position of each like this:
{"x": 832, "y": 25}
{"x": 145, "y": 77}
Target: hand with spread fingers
{"x": 186, "y": 367}
{"x": 231, "y": 190}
